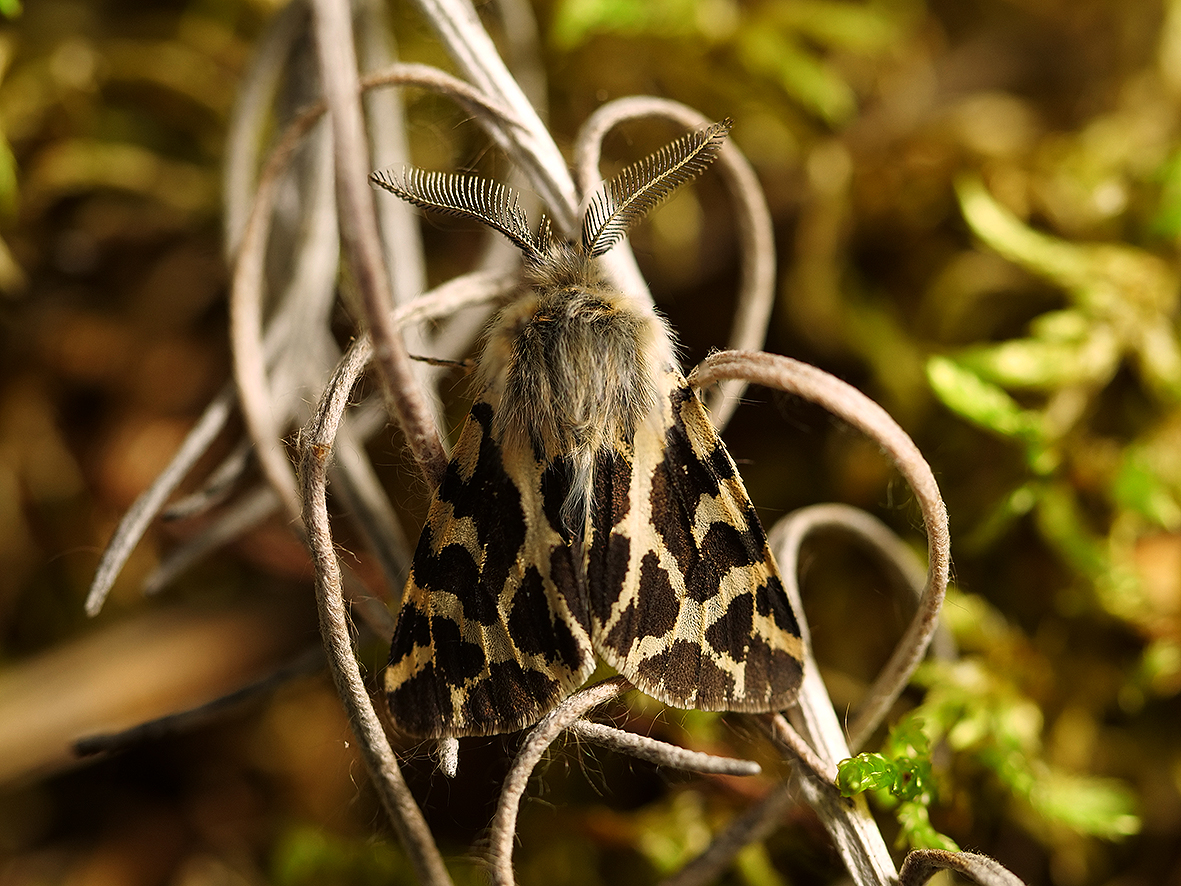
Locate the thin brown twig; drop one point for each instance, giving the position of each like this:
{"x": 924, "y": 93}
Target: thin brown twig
{"x": 308, "y": 662}
{"x": 848, "y": 823}
{"x": 922, "y": 864}
{"x": 658, "y": 752}
{"x": 787, "y": 739}
{"x": 382, "y": 764}
{"x": 849, "y": 404}
{"x": 504, "y": 822}
{"x": 761, "y": 819}
{"x": 361, "y": 240}
{"x": 756, "y": 232}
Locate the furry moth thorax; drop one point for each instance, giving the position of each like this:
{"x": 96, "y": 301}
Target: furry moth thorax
{"x": 570, "y": 366}
{"x": 589, "y": 507}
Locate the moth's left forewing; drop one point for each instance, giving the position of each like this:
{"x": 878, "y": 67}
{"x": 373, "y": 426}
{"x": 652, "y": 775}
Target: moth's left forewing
{"x": 686, "y": 598}
{"x": 491, "y": 630}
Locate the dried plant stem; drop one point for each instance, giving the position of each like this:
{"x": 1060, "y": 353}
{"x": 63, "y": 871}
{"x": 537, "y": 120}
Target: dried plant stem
{"x": 131, "y": 528}
{"x": 253, "y": 106}
{"x": 361, "y": 239}
{"x": 215, "y": 488}
{"x": 849, "y": 404}
{"x": 529, "y": 142}
{"x": 848, "y": 822}
{"x": 756, "y": 232}
{"x": 316, "y": 451}
{"x": 790, "y": 534}
{"x": 245, "y": 513}
{"x": 922, "y": 864}
{"x": 659, "y": 752}
{"x": 383, "y": 766}
{"x": 504, "y": 823}
{"x": 787, "y": 739}
{"x": 247, "y": 286}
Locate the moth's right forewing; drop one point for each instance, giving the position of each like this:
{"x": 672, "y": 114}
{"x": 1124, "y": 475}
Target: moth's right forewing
{"x": 686, "y": 599}
{"x": 491, "y": 632}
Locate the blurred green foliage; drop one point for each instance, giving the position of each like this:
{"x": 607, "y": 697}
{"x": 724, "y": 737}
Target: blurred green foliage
{"x": 786, "y": 44}
{"x": 306, "y": 855}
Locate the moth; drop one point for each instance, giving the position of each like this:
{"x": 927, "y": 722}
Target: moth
{"x": 589, "y": 507}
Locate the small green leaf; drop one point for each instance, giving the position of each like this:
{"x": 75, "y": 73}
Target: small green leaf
{"x": 1040, "y": 365}
{"x": 982, "y": 402}
{"x": 865, "y": 772}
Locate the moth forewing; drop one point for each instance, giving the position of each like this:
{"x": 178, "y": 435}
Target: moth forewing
{"x": 589, "y": 506}
{"x": 687, "y": 602}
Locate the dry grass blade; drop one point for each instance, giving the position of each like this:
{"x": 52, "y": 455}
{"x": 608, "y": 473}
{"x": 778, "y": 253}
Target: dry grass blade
{"x": 147, "y": 506}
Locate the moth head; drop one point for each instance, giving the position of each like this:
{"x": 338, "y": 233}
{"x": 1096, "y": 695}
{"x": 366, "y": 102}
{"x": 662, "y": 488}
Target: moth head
{"x": 613, "y": 209}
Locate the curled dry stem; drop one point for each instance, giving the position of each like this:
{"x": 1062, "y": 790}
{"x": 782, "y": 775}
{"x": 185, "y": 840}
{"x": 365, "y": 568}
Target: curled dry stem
{"x": 795, "y": 745}
{"x": 853, "y": 407}
{"x": 762, "y": 818}
{"x": 848, "y": 822}
{"x": 380, "y": 760}
{"x": 756, "y": 233}
{"x": 316, "y": 450}
{"x": 878, "y": 539}
{"x": 922, "y": 864}
{"x": 504, "y": 823}
{"x": 660, "y": 753}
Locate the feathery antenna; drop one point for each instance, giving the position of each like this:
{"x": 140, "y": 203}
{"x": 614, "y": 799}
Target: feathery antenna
{"x": 469, "y": 196}
{"x": 640, "y": 187}
{"x": 617, "y": 205}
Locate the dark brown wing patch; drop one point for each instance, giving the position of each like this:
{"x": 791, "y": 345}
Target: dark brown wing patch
{"x": 699, "y": 618}
{"x": 492, "y": 629}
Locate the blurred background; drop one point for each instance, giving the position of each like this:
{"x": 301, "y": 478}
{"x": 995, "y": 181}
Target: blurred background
{"x": 978, "y": 211}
